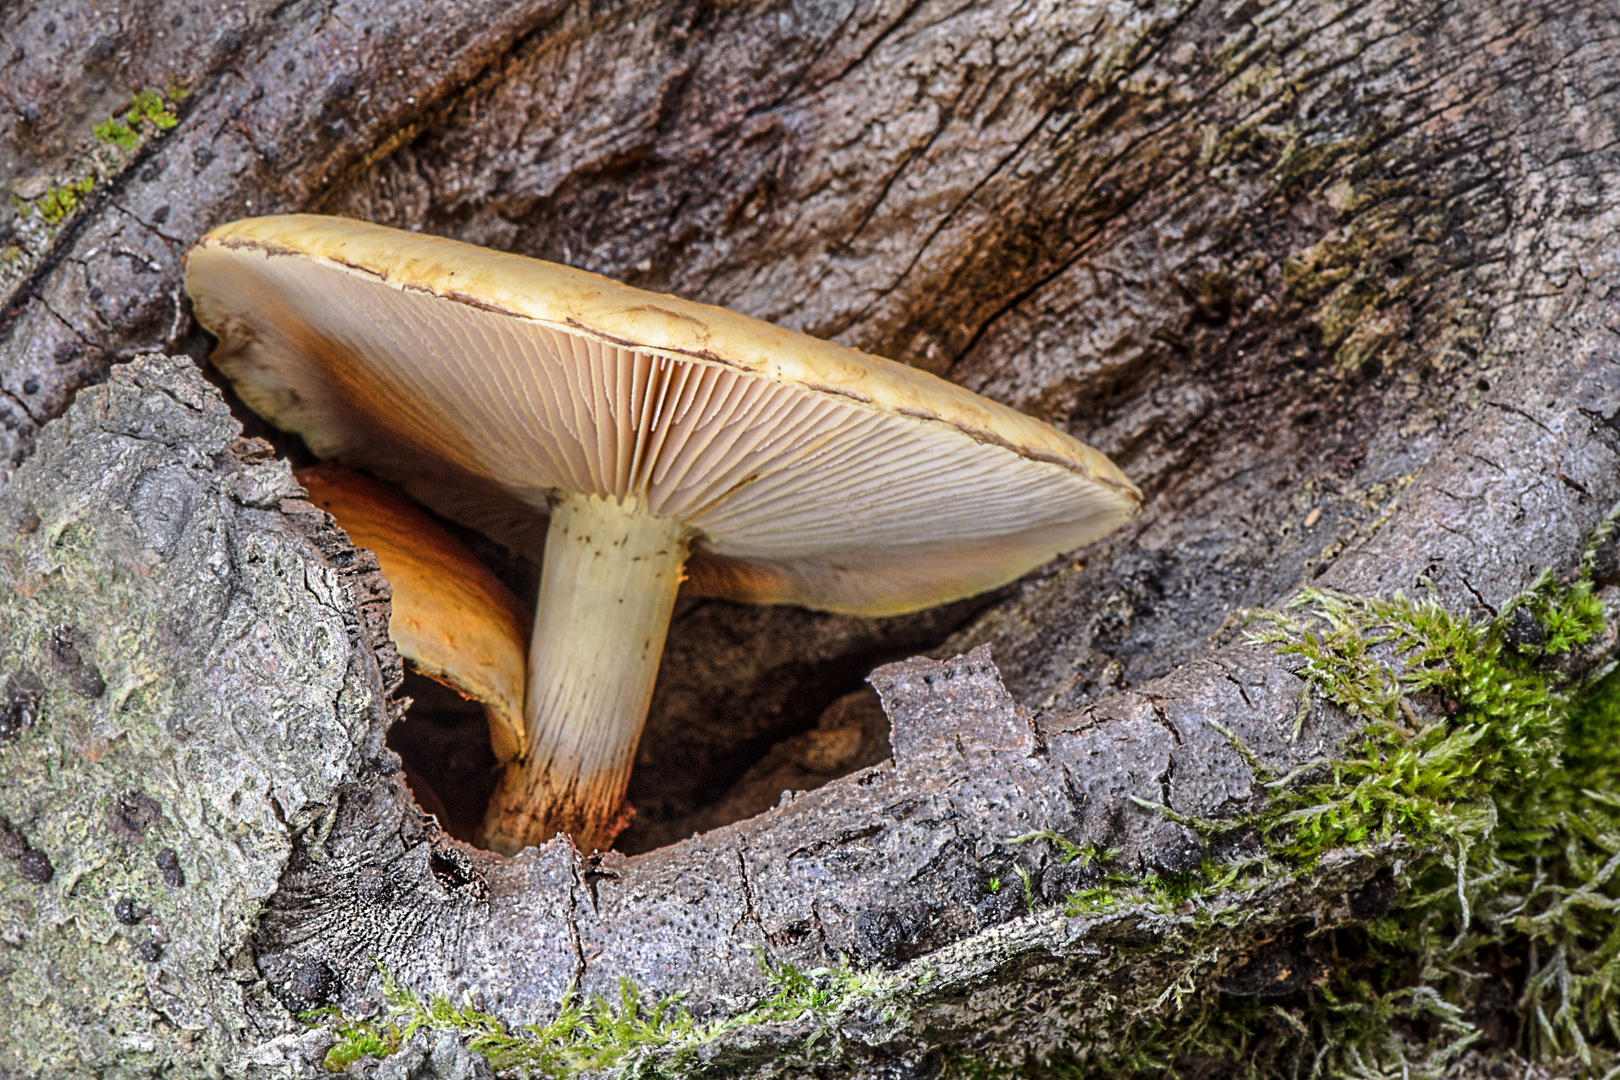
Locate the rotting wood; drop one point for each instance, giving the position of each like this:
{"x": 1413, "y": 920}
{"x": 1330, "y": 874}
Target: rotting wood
{"x": 1341, "y": 260}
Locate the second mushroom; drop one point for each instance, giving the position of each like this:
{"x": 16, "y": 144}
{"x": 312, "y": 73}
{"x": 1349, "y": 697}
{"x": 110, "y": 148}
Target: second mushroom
{"x": 630, "y": 440}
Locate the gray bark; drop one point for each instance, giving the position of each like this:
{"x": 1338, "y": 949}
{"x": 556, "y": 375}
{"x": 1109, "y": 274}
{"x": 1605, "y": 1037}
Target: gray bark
{"x": 1346, "y": 258}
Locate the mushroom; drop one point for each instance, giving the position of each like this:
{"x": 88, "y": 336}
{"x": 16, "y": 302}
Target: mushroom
{"x": 656, "y": 434}
{"x": 450, "y": 617}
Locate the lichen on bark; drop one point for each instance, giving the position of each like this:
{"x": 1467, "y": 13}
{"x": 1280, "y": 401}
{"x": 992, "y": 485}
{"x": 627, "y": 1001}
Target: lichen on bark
{"x": 199, "y": 686}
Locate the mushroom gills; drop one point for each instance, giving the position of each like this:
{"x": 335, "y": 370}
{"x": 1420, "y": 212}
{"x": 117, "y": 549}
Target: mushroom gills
{"x": 607, "y": 589}
{"x": 509, "y": 412}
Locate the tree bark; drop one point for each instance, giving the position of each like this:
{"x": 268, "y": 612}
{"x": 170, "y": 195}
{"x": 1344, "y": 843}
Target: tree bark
{"x": 1330, "y": 280}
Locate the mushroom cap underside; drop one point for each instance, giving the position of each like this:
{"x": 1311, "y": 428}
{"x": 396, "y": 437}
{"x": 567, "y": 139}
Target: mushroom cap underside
{"x": 483, "y": 383}
{"x": 449, "y": 616}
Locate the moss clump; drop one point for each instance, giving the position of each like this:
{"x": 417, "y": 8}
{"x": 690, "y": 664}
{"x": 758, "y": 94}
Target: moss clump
{"x": 591, "y": 1033}
{"x": 147, "y": 106}
{"x": 357, "y": 1039}
{"x": 116, "y": 141}
{"x": 1501, "y": 775}
{"x": 57, "y": 202}
{"x": 1499, "y": 725}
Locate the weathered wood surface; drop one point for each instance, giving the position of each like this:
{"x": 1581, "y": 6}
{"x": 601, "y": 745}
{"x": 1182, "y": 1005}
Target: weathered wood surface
{"x": 1275, "y": 259}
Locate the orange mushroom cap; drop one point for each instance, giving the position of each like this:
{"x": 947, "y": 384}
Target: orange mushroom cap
{"x": 451, "y": 618}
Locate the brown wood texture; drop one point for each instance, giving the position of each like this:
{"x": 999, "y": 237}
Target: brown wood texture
{"x": 1330, "y": 279}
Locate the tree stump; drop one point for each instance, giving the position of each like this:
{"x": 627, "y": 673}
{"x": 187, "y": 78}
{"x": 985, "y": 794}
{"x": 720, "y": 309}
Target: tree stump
{"x": 1329, "y": 280}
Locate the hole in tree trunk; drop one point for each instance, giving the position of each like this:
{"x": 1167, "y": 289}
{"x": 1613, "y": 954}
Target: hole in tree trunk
{"x": 754, "y": 700}
{"x": 750, "y": 702}
{"x": 444, "y": 742}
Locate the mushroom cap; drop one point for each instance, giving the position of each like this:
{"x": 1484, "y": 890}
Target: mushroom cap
{"x": 450, "y": 617}
{"x": 483, "y": 382}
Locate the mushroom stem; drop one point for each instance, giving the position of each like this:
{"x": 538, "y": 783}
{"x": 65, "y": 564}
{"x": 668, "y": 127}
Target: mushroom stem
{"x": 607, "y": 588}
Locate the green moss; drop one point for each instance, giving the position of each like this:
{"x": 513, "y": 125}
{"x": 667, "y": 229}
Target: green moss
{"x": 57, "y": 202}
{"x": 357, "y": 1039}
{"x": 593, "y": 1034}
{"x": 1501, "y": 775}
{"x": 146, "y": 107}
{"x": 1304, "y": 159}
{"x": 119, "y": 136}
{"x": 1359, "y": 278}
{"x": 1312, "y": 273}
{"x": 149, "y": 105}
{"x": 117, "y": 132}
{"x": 1421, "y": 780}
